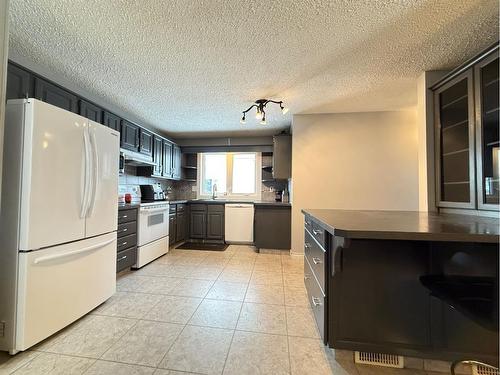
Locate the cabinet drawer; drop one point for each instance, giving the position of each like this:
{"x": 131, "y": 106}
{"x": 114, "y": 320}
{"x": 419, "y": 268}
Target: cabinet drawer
{"x": 126, "y": 229}
{"x": 172, "y": 208}
{"x": 198, "y": 207}
{"x": 127, "y": 241}
{"x": 126, "y": 258}
{"x": 319, "y": 234}
{"x": 308, "y": 223}
{"x": 317, "y": 299}
{"x": 215, "y": 208}
{"x": 316, "y": 257}
{"x": 124, "y": 216}
{"x": 181, "y": 207}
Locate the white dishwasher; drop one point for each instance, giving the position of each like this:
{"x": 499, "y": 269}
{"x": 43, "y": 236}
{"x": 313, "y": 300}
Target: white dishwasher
{"x": 239, "y": 222}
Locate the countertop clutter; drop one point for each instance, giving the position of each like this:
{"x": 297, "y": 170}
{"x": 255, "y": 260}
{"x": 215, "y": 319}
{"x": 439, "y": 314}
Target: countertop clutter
{"x": 407, "y": 225}
{"x": 210, "y": 201}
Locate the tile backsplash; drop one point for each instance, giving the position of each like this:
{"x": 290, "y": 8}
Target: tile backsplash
{"x": 129, "y": 181}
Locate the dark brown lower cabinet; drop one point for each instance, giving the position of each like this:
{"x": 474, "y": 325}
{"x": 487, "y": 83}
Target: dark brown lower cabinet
{"x": 181, "y": 227}
{"x": 272, "y": 227}
{"x": 126, "y": 244}
{"x": 206, "y": 222}
{"x": 172, "y": 230}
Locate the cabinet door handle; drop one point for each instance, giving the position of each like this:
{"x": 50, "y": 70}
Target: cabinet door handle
{"x": 308, "y": 223}
{"x": 124, "y": 243}
{"x": 307, "y": 245}
{"x": 316, "y": 231}
{"x": 316, "y": 301}
{"x": 124, "y": 216}
{"x": 123, "y": 257}
{"x": 306, "y": 277}
{"x": 316, "y": 261}
{"x": 124, "y": 229}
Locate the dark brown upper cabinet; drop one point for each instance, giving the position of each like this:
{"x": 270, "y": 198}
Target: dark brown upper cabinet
{"x": 487, "y": 137}
{"x": 146, "y": 142}
{"x": 282, "y": 157}
{"x": 55, "y": 95}
{"x": 167, "y": 159}
{"x": 466, "y": 112}
{"x": 157, "y": 156}
{"x": 176, "y": 162}
{"x": 111, "y": 121}
{"x": 129, "y": 137}
{"x": 18, "y": 83}
{"x": 91, "y": 111}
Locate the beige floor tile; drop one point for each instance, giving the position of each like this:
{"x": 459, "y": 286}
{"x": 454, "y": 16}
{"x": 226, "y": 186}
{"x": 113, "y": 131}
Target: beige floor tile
{"x": 257, "y": 353}
{"x": 199, "y": 349}
{"x": 191, "y": 288}
{"x": 155, "y": 269}
{"x": 204, "y": 273}
{"x": 270, "y": 294}
{"x": 300, "y": 322}
{"x": 114, "y": 368}
{"x": 257, "y": 317}
{"x": 93, "y": 337}
{"x": 235, "y": 275}
{"x": 128, "y": 305}
{"x": 218, "y": 314}
{"x": 307, "y": 356}
{"x": 378, "y": 370}
{"x": 48, "y": 363}
{"x": 10, "y": 363}
{"x": 267, "y": 277}
{"x": 293, "y": 280}
{"x": 296, "y": 297}
{"x": 214, "y": 262}
{"x": 292, "y": 265}
{"x": 145, "y": 344}
{"x": 130, "y": 282}
{"x": 160, "y": 285}
{"x": 222, "y": 290}
{"x": 190, "y": 261}
{"x": 161, "y": 371}
{"x": 167, "y": 259}
{"x": 174, "y": 309}
{"x": 239, "y": 265}
{"x": 269, "y": 267}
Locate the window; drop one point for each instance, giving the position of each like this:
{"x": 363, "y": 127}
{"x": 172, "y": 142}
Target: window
{"x": 235, "y": 174}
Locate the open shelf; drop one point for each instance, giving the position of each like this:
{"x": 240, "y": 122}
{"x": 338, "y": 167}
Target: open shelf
{"x": 189, "y": 167}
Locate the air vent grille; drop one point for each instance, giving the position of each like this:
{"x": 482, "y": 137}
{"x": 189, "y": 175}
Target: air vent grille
{"x": 378, "y": 359}
{"x": 483, "y": 370}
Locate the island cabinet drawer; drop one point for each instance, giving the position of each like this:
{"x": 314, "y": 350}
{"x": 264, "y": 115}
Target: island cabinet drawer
{"x": 127, "y": 241}
{"x": 308, "y": 223}
{"x": 315, "y": 255}
{"x": 317, "y": 299}
{"x": 172, "y": 208}
{"x": 124, "y": 216}
{"x": 319, "y": 234}
{"x": 126, "y": 258}
{"x": 126, "y": 229}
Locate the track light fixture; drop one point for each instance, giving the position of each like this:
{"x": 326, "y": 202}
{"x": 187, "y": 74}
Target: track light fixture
{"x": 260, "y": 106}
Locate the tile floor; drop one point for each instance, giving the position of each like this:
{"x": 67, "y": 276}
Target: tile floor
{"x": 197, "y": 312}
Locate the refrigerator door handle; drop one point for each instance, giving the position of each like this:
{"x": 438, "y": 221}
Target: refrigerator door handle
{"x": 95, "y": 172}
{"x": 48, "y": 258}
{"x": 83, "y": 211}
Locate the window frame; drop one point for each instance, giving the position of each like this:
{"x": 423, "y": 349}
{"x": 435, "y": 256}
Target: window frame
{"x": 229, "y": 178}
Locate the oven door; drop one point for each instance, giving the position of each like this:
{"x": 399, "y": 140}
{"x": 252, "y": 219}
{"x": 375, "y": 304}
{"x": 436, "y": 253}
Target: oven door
{"x": 153, "y": 224}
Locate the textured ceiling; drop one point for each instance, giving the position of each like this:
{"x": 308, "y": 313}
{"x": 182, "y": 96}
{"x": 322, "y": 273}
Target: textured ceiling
{"x": 189, "y": 67}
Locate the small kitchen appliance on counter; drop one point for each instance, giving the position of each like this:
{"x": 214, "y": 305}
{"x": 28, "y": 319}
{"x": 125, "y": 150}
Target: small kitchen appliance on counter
{"x": 151, "y": 193}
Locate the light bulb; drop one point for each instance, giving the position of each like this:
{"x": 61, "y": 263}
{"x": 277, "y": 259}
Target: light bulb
{"x": 258, "y": 115}
{"x": 284, "y": 110}
{"x": 263, "y": 121}
{"x": 242, "y": 121}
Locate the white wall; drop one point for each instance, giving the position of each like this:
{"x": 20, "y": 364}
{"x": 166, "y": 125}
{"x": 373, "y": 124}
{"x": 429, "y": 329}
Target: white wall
{"x": 353, "y": 161}
{"x": 4, "y": 43}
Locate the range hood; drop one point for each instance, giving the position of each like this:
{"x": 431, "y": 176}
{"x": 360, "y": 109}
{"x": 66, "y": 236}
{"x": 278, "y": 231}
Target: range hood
{"x": 136, "y": 159}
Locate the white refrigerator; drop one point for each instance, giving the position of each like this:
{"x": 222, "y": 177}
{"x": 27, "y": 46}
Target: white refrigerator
{"x": 58, "y": 220}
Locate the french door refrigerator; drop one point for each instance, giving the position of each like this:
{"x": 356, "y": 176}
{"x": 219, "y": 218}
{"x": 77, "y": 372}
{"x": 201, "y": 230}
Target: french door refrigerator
{"x": 58, "y": 220}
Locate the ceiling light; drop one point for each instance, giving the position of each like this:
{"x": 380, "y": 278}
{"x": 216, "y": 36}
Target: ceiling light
{"x": 260, "y": 106}
{"x": 284, "y": 110}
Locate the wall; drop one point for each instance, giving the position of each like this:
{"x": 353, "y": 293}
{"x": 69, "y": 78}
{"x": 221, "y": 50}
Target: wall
{"x": 4, "y": 44}
{"x": 353, "y": 161}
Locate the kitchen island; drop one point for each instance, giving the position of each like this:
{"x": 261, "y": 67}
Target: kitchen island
{"x": 407, "y": 283}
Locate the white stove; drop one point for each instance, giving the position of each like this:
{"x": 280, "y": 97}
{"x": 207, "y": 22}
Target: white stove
{"x": 152, "y": 231}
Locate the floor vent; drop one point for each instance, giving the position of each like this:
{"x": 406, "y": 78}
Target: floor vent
{"x": 378, "y": 359}
{"x": 483, "y": 370}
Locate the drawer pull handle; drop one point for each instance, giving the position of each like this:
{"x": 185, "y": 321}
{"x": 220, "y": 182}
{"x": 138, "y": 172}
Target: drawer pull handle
{"x": 125, "y": 229}
{"x": 316, "y": 301}
{"x": 317, "y": 260}
{"x": 308, "y": 223}
{"x": 306, "y": 277}
{"x": 124, "y": 216}
{"x": 123, "y": 257}
{"x": 316, "y": 231}
{"x": 307, "y": 245}
{"x": 124, "y": 243}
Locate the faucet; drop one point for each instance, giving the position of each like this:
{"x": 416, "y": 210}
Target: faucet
{"x": 214, "y": 191}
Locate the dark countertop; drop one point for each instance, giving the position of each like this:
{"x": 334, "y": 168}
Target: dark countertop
{"x": 224, "y": 201}
{"x": 407, "y": 225}
{"x": 127, "y": 206}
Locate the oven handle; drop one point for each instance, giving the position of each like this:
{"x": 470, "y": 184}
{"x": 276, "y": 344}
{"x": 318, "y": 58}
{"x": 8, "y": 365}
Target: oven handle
{"x": 144, "y": 212}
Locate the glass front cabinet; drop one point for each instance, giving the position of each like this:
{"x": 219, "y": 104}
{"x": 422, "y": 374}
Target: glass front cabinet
{"x": 467, "y": 137}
